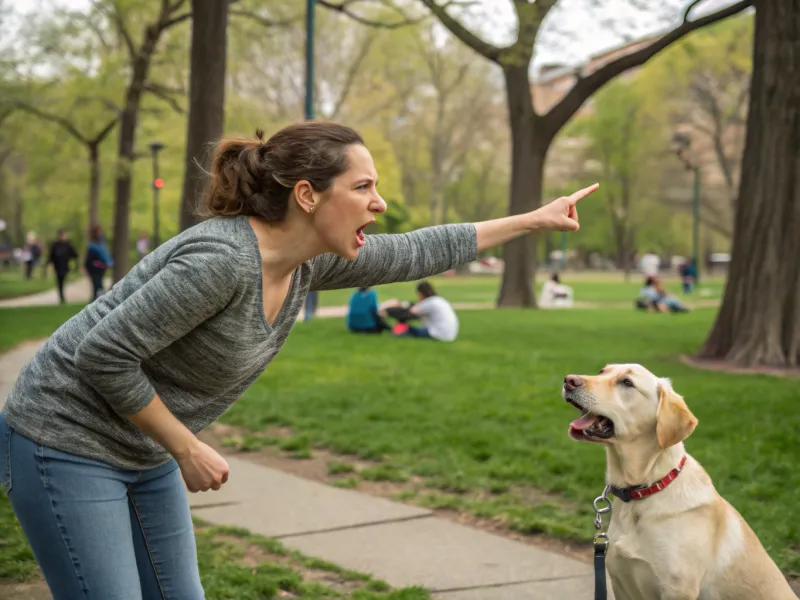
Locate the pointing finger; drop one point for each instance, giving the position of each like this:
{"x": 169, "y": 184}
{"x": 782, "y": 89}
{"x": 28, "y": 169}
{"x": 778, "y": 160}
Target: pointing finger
{"x": 573, "y": 199}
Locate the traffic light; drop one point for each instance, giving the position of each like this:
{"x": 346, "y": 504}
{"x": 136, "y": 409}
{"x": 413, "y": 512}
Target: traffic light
{"x": 158, "y": 183}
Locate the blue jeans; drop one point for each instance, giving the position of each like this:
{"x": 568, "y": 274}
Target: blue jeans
{"x": 311, "y": 305}
{"x": 99, "y": 532}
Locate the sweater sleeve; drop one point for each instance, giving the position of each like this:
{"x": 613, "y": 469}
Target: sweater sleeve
{"x": 197, "y": 282}
{"x": 387, "y": 258}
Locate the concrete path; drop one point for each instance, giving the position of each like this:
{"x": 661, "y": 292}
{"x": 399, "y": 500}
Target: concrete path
{"x": 76, "y": 291}
{"x": 401, "y": 544}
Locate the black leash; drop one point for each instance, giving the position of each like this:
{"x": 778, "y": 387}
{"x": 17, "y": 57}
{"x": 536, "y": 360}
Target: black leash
{"x": 600, "y": 546}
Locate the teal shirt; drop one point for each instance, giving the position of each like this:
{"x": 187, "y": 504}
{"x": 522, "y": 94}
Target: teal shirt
{"x": 362, "y": 310}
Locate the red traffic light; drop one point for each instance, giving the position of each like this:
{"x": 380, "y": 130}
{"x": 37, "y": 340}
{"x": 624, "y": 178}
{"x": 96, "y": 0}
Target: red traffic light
{"x": 158, "y": 183}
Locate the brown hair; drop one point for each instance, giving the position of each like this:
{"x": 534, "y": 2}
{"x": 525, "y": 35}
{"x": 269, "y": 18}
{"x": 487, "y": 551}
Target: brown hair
{"x": 426, "y": 289}
{"x": 254, "y": 177}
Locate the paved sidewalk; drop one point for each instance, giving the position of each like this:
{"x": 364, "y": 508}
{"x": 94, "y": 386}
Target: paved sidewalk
{"x": 76, "y": 291}
{"x": 401, "y": 544}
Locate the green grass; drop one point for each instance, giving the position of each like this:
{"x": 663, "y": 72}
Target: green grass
{"x": 225, "y": 575}
{"x": 481, "y": 420}
{"x": 13, "y": 283}
{"x": 591, "y": 287}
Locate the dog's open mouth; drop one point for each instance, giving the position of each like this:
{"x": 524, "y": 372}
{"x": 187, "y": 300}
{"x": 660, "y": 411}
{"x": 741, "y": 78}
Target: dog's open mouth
{"x": 590, "y": 425}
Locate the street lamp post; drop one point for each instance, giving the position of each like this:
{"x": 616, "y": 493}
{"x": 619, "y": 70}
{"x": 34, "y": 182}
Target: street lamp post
{"x": 158, "y": 183}
{"x": 310, "y": 5}
{"x": 680, "y": 144}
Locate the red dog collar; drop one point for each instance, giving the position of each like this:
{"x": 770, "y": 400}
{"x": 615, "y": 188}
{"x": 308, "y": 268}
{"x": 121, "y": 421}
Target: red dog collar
{"x": 637, "y": 493}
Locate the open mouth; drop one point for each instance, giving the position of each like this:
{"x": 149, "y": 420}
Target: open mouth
{"x": 590, "y": 425}
{"x": 361, "y": 241}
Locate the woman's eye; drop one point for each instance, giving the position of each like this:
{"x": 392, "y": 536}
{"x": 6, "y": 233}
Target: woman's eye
{"x": 363, "y": 186}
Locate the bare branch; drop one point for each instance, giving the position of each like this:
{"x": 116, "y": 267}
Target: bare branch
{"x": 352, "y": 73}
{"x": 462, "y": 33}
{"x": 176, "y": 20}
{"x": 689, "y": 9}
{"x": 46, "y": 116}
{"x": 343, "y": 7}
{"x": 166, "y": 94}
{"x": 584, "y": 88}
{"x": 101, "y": 135}
{"x": 123, "y": 29}
{"x": 109, "y": 104}
{"x": 266, "y": 22}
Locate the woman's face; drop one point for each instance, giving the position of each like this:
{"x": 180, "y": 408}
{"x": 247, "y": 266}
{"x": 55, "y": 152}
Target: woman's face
{"x": 349, "y": 205}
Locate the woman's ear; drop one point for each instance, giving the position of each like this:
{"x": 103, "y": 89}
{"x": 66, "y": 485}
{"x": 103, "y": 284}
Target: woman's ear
{"x": 674, "y": 421}
{"x": 304, "y": 195}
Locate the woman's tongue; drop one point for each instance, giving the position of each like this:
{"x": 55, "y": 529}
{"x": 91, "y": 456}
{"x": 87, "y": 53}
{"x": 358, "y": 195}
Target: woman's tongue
{"x": 360, "y": 239}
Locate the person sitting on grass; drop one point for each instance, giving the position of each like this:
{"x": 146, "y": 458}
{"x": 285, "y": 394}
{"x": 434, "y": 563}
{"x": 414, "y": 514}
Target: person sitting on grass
{"x": 654, "y": 296}
{"x": 362, "y": 313}
{"x": 439, "y": 320}
{"x": 555, "y": 294}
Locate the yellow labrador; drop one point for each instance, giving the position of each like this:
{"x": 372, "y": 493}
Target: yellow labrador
{"x": 672, "y": 537}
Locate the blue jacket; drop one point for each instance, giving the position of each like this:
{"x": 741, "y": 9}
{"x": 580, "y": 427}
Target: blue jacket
{"x": 362, "y": 310}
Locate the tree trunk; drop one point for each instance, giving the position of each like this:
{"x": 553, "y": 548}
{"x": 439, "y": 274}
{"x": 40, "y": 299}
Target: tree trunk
{"x": 759, "y": 320}
{"x": 528, "y": 152}
{"x": 126, "y": 152}
{"x": 94, "y": 185}
{"x": 206, "y": 100}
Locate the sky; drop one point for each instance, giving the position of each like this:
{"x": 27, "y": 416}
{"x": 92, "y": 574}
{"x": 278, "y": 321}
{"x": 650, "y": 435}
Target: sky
{"x": 573, "y": 31}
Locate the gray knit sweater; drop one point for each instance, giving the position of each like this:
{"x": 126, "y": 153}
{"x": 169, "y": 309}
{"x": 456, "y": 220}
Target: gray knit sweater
{"x": 188, "y": 323}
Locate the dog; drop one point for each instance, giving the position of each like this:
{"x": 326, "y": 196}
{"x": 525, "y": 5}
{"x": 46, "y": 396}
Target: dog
{"x": 672, "y": 537}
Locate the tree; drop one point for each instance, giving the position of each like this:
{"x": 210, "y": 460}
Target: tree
{"x": 209, "y": 54}
{"x": 532, "y": 133}
{"x": 89, "y": 141}
{"x": 140, "y": 57}
{"x": 759, "y": 320}
{"x": 621, "y": 137}
{"x": 208, "y": 59}
{"x": 703, "y": 82}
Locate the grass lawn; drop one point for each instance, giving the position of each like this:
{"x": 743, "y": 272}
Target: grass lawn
{"x": 481, "y": 424}
{"x": 13, "y": 283}
{"x": 234, "y": 564}
{"x": 598, "y": 288}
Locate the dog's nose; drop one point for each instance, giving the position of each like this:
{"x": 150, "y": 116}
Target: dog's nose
{"x": 572, "y": 382}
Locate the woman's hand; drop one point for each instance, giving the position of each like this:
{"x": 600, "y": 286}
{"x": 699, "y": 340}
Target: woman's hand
{"x": 202, "y": 467}
{"x": 561, "y": 214}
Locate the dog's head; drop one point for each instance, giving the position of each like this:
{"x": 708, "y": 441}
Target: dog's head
{"x": 625, "y": 403}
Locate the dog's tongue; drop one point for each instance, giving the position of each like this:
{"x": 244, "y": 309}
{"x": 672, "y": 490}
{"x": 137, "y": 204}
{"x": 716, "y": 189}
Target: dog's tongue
{"x": 584, "y": 422}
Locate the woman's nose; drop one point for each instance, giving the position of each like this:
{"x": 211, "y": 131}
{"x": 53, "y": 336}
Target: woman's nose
{"x": 378, "y": 205}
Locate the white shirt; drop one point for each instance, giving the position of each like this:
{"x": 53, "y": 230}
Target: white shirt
{"x": 438, "y": 317}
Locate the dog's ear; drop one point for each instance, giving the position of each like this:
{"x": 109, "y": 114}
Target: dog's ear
{"x": 674, "y": 421}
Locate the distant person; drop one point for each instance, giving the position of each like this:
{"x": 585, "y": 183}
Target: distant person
{"x": 312, "y": 298}
{"x": 555, "y": 294}
{"x": 439, "y": 320}
{"x": 654, "y": 296}
{"x": 362, "y": 312}
{"x": 142, "y": 245}
{"x": 31, "y": 253}
{"x": 689, "y": 276}
{"x": 98, "y": 260}
{"x": 649, "y": 264}
{"x": 62, "y": 252}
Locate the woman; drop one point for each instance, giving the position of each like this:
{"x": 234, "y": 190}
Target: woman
{"x": 101, "y": 424}
{"x": 98, "y": 260}
{"x": 439, "y": 320}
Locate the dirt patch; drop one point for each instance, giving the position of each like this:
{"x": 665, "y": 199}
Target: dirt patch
{"x": 36, "y": 590}
{"x": 722, "y": 366}
{"x": 317, "y": 469}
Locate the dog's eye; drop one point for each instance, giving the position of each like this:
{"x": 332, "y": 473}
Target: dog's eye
{"x": 627, "y": 382}
{"x": 601, "y": 371}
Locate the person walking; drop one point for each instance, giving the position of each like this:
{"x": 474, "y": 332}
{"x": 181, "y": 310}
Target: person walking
{"x": 62, "y": 253}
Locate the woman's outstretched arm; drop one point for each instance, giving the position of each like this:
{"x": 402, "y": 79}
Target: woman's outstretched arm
{"x": 429, "y": 251}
